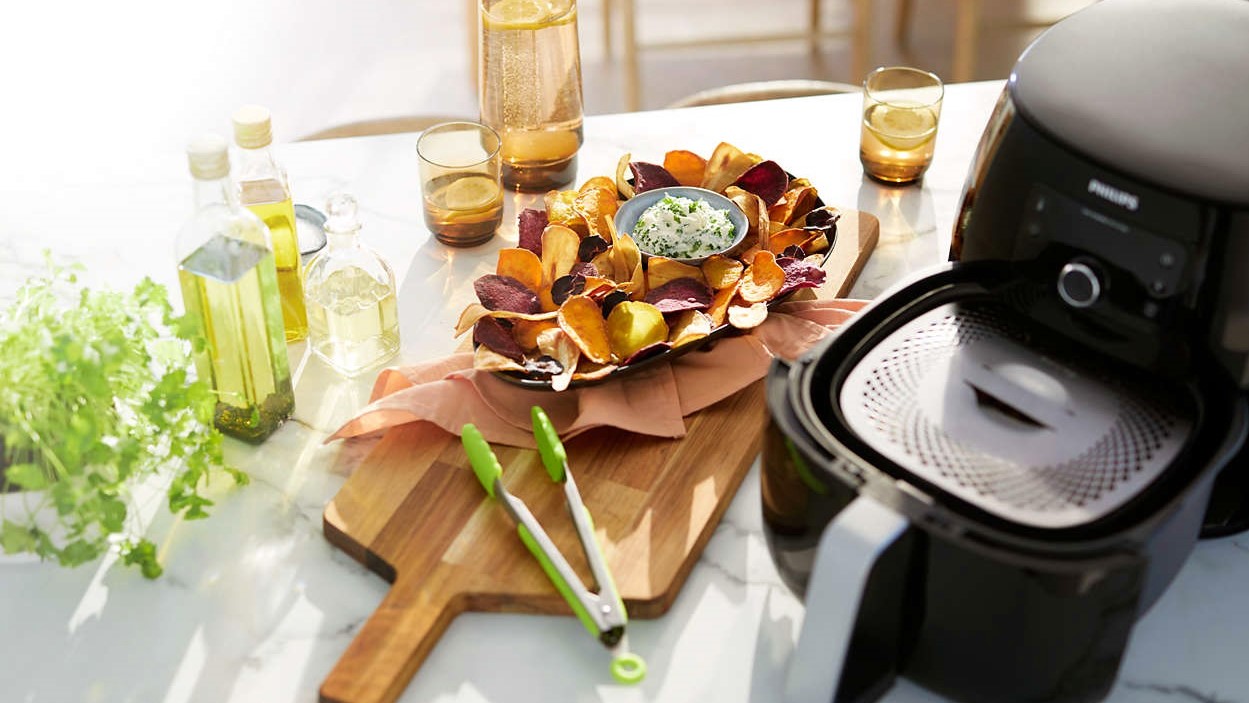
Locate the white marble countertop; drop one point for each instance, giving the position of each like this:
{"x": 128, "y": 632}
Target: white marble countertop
{"x": 255, "y": 605}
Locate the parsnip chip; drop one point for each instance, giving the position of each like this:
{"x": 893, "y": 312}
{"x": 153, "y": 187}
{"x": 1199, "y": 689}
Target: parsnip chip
{"x": 756, "y": 213}
{"x": 600, "y": 183}
{"x": 688, "y": 326}
{"x": 815, "y": 244}
{"x": 556, "y": 344}
{"x": 559, "y": 252}
{"x": 487, "y": 359}
{"x": 686, "y": 166}
{"x": 718, "y": 310}
{"x": 622, "y": 184}
{"x": 596, "y": 206}
{"x": 627, "y": 261}
{"x": 582, "y": 319}
{"x": 476, "y": 311}
{"x": 590, "y": 371}
{"x": 762, "y": 280}
{"x": 721, "y": 271}
{"x": 560, "y": 211}
{"x": 795, "y": 204}
{"x": 521, "y": 264}
{"x": 660, "y": 270}
{"x": 526, "y": 332}
{"x": 727, "y": 164}
{"x": 633, "y": 325}
{"x": 745, "y": 317}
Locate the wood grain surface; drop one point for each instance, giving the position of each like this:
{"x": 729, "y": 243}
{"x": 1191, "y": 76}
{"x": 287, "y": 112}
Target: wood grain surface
{"x": 414, "y": 513}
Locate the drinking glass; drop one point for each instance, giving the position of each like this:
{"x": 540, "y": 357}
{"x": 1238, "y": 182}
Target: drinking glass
{"x": 530, "y": 89}
{"x": 901, "y": 107}
{"x": 463, "y": 200}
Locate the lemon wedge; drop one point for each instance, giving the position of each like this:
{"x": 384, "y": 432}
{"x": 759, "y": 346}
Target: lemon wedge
{"x": 902, "y": 127}
{"x": 470, "y": 193}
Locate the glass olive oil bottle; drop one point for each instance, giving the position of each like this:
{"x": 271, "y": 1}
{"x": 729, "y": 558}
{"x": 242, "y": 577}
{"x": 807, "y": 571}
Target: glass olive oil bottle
{"x": 264, "y": 190}
{"x": 230, "y": 290}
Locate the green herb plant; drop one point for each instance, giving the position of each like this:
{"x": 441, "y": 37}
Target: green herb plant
{"x": 96, "y": 396}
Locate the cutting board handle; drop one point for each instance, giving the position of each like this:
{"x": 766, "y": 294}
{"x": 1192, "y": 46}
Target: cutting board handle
{"x": 390, "y": 647}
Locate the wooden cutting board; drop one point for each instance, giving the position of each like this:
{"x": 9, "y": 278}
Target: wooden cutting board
{"x": 414, "y": 513}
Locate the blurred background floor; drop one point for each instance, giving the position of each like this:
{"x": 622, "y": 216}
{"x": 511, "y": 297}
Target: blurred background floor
{"x": 112, "y": 91}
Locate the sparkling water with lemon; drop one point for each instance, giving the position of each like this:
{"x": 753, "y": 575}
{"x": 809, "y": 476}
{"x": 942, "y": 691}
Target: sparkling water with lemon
{"x": 897, "y": 141}
{"x": 530, "y": 89}
{"x": 463, "y": 208}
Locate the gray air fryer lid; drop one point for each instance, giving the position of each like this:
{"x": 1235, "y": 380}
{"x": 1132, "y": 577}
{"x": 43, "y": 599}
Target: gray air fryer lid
{"x": 1157, "y": 89}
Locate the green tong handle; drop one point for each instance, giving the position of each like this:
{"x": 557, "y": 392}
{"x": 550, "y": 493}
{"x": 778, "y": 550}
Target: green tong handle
{"x": 549, "y": 447}
{"x": 482, "y": 458}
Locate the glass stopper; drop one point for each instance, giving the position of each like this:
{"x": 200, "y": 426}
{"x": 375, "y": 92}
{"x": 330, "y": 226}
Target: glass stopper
{"x": 340, "y": 210}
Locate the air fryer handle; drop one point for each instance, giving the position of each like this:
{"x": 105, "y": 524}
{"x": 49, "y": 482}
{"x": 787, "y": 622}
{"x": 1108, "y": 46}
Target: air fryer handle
{"x": 865, "y": 543}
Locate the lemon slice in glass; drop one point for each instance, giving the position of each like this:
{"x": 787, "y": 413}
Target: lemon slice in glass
{"x": 470, "y": 193}
{"x": 524, "y": 14}
{"x": 902, "y": 127}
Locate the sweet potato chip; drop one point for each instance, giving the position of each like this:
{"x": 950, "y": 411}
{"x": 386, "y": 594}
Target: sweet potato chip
{"x": 505, "y": 293}
{"x": 521, "y": 264}
{"x": 762, "y": 280}
{"x": 476, "y": 311}
{"x": 526, "y": 332}
{"x": 556, "y": 344}
{"x": 590, "y": 371}
{"x": 685, "y": 166}
{"x": 745, "y": 317}
{"x": 688, "y": 326}
{"x": 778, "y": 242}
{"x": 660, "y": 270}
{"x": 793, "y": 205}
{"x": 815, "y": 244}
{"x": 765, "y": 179}
{"x": 582, "y": 319}
{"x": 487, "y": 359}
{"x": 529, "y": 225}
{"x": 596, "y": 206}
{"x": 648, "y": 176}
{"x": 559, "y": 252}
{"x": 647, "y": 352}
{"x": 627, "y": 262}
{"x": 490, "y": 332}
{"x": 719, "y": 308}
{"x": 681, "y": 294}
{"x": 756, "y": 213}
{"x": 633, "y": 325}
{"x": 599, "y": 183}
{"x": 721, "y": 271}
{"x": 799, "y": 274}
{"x": 560, "y": 211}
{"x": 727, "y": 164}
{"x": 622, "y": 184}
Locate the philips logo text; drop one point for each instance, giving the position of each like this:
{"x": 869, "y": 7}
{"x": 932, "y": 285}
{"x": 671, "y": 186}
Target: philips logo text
{"x": 1114, "y": 195}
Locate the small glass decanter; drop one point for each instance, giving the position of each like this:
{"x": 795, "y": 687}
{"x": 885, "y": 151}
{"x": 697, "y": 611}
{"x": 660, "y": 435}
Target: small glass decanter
{"x": 353, "y": 322}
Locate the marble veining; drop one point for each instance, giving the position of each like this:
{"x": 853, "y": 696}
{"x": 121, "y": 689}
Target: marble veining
{"x": 256, "y": 605}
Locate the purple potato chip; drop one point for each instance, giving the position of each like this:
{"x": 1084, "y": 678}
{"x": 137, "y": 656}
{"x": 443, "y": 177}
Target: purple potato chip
{"x": 584, "y": 268}
{"x": 506, "y": 293}
{"x": 543, "y": 367}
{"x": 647, "y": 176}
{"x": 565, "y": 286}
{"x": 799, "y": 274}
{"x": 793, "y": 251}
{"x": 646, "y": 352}
{"x": 611, "y": 300}
{"x": 591, "y": 247}
{"x": 497, "y": 338}
{"x": 680, "y": 294}
{"x": 530, "y": 224}
{"x": 765, "y": 179}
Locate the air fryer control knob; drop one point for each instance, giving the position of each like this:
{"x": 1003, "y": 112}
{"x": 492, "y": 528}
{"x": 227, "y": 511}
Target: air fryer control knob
{"x": 1079, "y": 285}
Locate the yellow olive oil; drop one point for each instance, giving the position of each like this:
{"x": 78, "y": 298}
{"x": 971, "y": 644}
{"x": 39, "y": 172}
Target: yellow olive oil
{"x": 269, "y": 200}
{"x": 227, "y": 283}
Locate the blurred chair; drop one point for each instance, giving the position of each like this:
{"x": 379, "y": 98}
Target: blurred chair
{"x": 763, "y": 90}
{"x": 860, "y": 33}
{"x": 387, "y": 125}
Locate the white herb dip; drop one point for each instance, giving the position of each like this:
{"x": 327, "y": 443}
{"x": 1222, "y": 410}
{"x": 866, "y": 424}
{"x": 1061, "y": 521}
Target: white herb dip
{"x": 683, "y": 228}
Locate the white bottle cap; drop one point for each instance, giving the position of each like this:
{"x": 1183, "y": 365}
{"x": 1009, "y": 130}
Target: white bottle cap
{"x": 208, "y": 157}
{"x": 252, "y": 127}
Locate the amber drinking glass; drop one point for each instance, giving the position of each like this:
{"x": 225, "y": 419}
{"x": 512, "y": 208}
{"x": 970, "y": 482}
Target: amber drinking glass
{"x": 530, "y": 89}
{"x": 901, "y": 107}
{"x": 463, "y": 200}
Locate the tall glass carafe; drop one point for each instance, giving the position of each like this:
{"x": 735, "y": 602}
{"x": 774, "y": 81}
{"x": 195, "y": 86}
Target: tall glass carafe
{"x": 264, "y": 190}
{"x": 530, "y": 89}
{"x": 230, "y": 291}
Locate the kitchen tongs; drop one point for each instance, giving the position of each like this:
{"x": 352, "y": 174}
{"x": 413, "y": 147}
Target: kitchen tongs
{"x": 602, "y": 613}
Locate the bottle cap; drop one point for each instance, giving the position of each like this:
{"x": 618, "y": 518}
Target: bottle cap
{"x": 208, "y": 157}
{"x": 340, "y": 209}
{"x": 252, "y": 127}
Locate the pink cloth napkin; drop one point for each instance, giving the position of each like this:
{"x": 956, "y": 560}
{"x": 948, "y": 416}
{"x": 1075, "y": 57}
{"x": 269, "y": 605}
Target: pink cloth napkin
{"x": 450, "y": 392}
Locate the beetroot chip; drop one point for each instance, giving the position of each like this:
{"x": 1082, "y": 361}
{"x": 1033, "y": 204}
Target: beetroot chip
{"x": 823, "y": 220}
{"x": 799, "y": 274}
{"x": 506, "y": 293}
{"x": 530, "y": 223}
{"x": 646, "y": 352}
{"x": 565, "y": 286}
{"x": 765, "y": 179}
{"x": 793, "y": 251}
{"x": 611, "y": 300}
{"x": 490, "y": 332}
{"x": 648, "y": 176}
{"x": 591, "y": 247}
{"x": 680, "y": 294}
{"x": 584, "y": 268}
